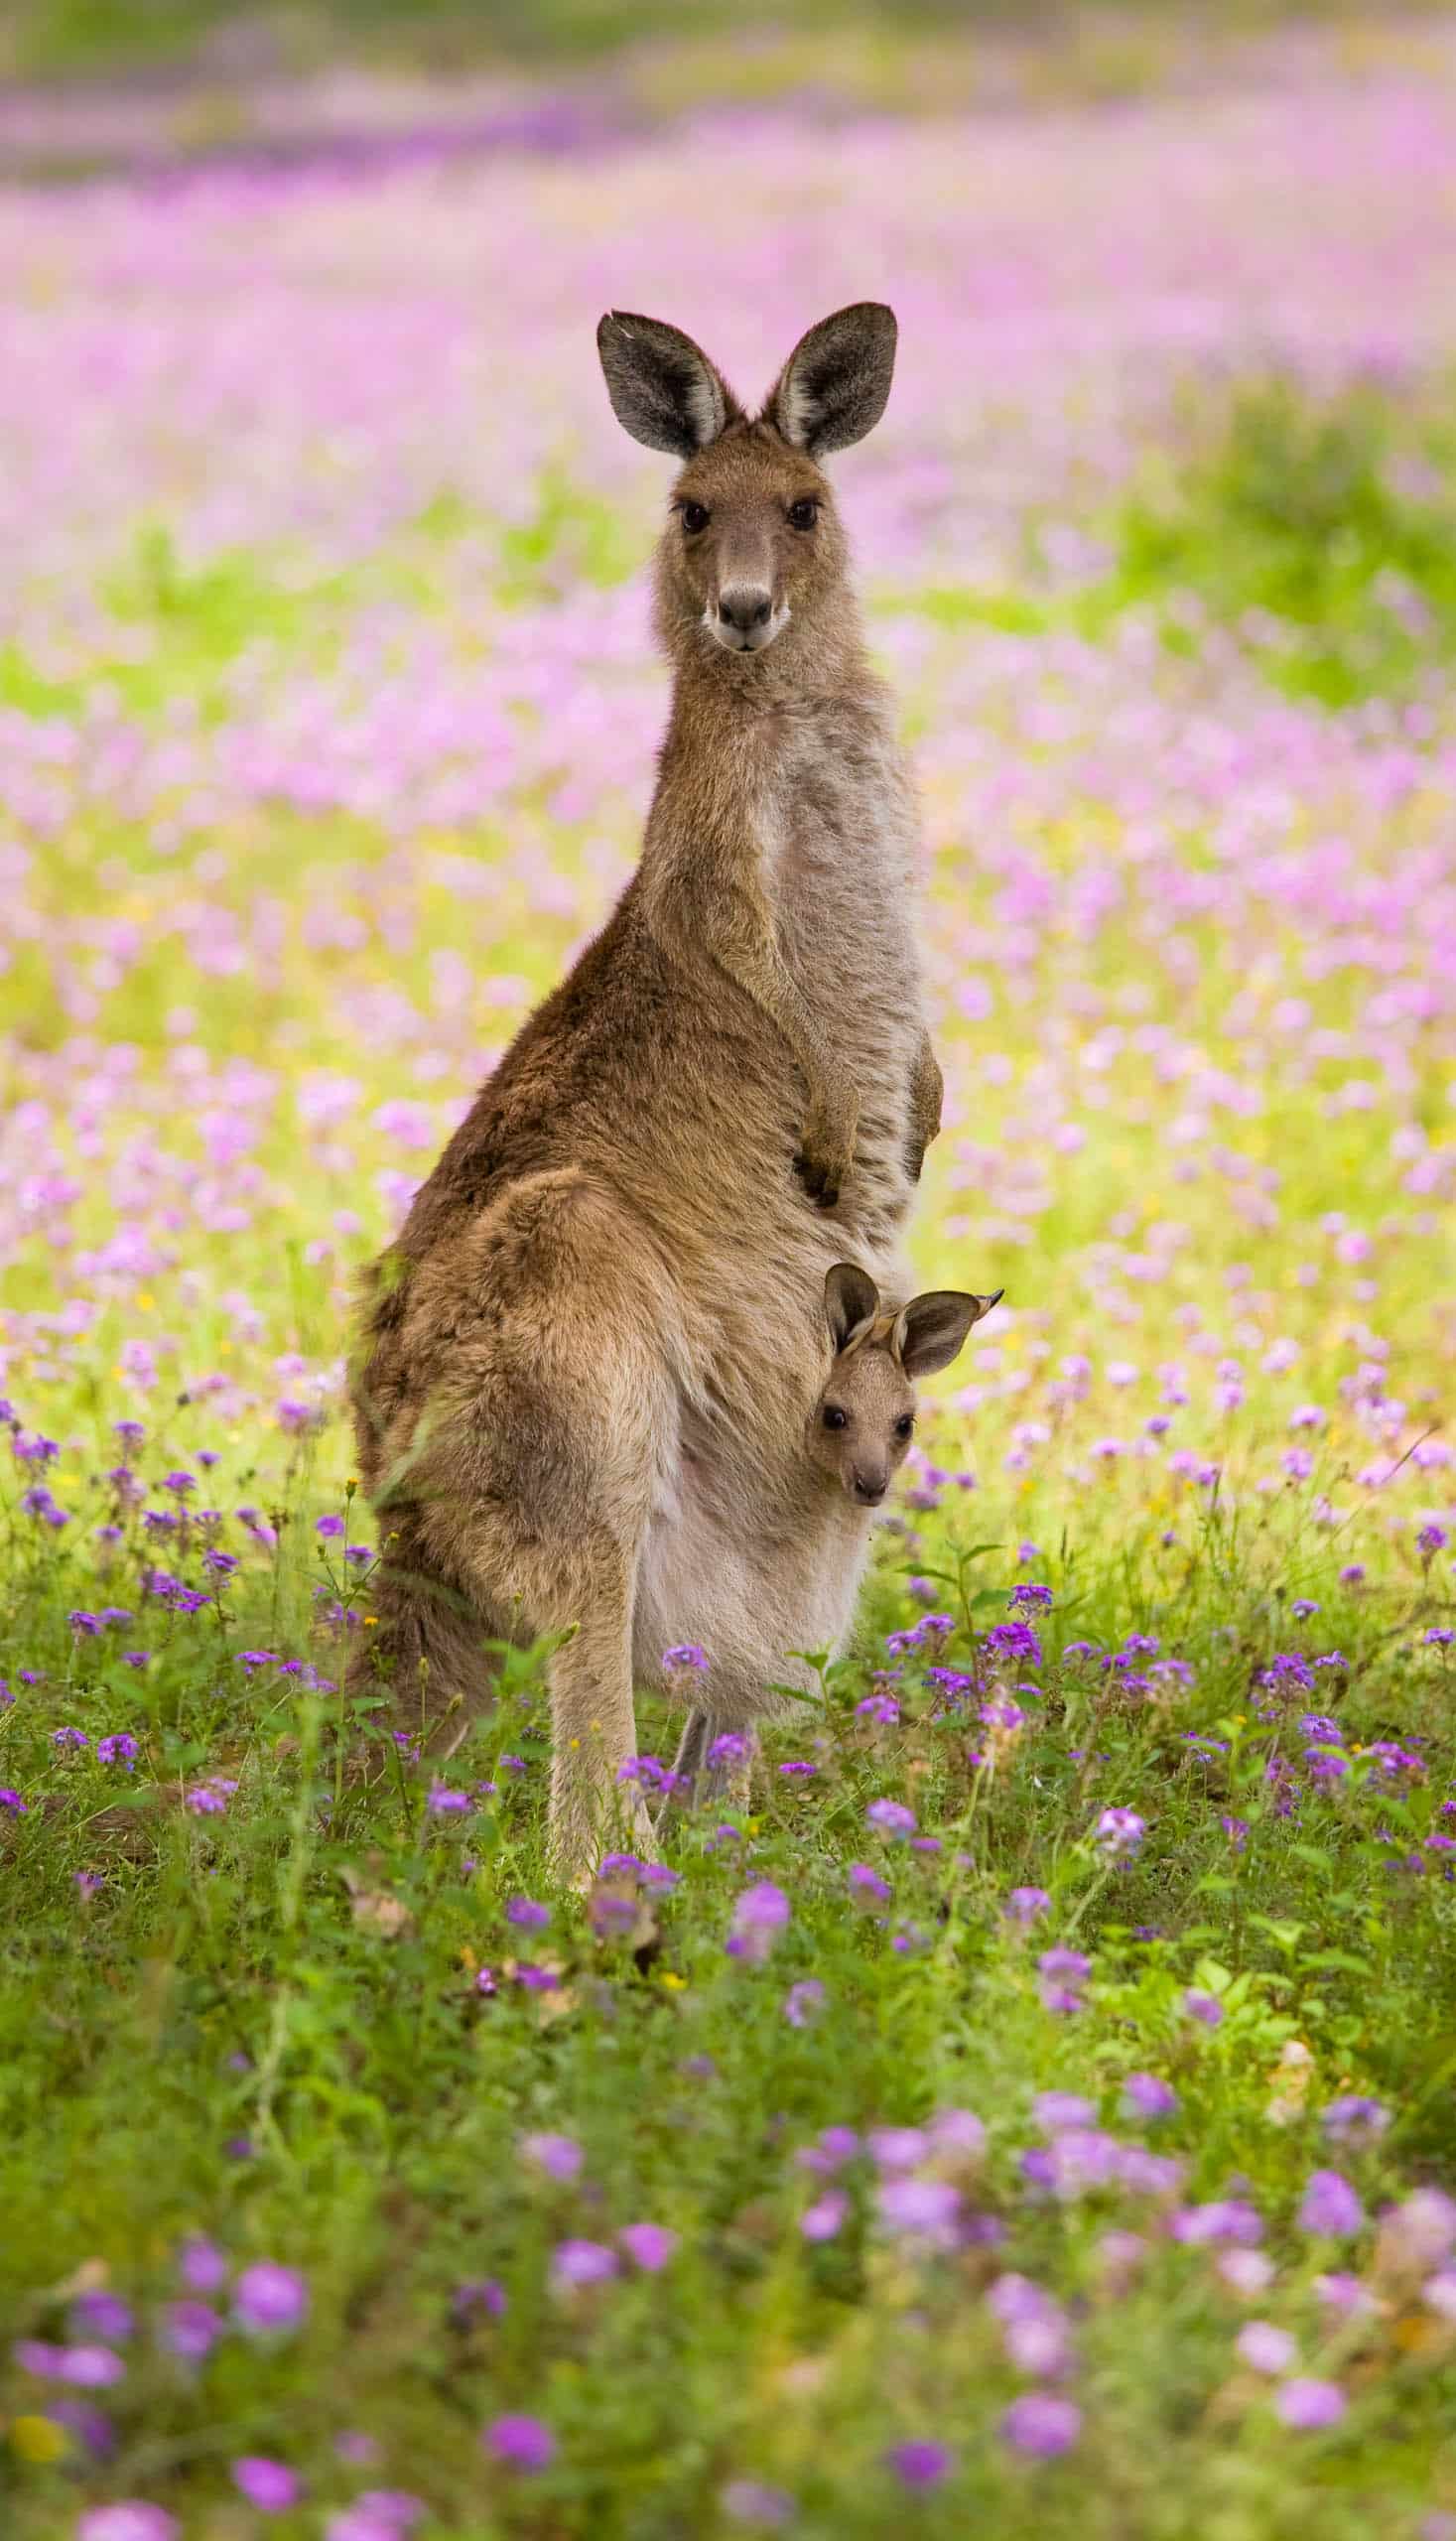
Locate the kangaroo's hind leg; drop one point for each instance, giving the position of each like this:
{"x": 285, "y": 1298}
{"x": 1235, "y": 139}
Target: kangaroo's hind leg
{"x": 530, "y": 1469}
{"x": 594, "y": 1721}
{"x": 729, "y": 1779}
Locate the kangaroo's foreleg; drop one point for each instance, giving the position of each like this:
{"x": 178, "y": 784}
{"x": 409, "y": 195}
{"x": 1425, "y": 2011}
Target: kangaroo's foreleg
{"x": 735, "y": 922}
{"x": 927, "y": 1087}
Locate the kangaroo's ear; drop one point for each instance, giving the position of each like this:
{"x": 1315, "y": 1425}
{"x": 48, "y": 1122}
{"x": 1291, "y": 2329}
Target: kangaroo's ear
{"x": 851, "y": 1298}
{"x": 929, "y": 1330}
{"x": 833, "y": 388}
{"x": 663, "y": 391}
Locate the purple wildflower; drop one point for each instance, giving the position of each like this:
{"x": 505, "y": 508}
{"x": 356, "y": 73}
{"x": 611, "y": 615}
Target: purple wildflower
{"x": 559, "y": 2156}
{"x": 269, "y": 2297}
{"x": 650, "y": 2247}
{"x": 1120, "y": 1832}
{"x": 1310, "y": 2405}
{"x": 522, "y": 2443}
{"x": 1042, "y": 2425}
{"x": 1203, "y": 2007}
{"x": 1267, "y": 2349}
{"x": 1147, "y": 2095}
{"x": 760, "y": 1913}
{"x": 130, "y": 2519}
{"x": 1330, "y": 2207}
{"x": 577, "y": 2262}
{"x": 920, "y": 2464}
{"x": 270, "y": 2486}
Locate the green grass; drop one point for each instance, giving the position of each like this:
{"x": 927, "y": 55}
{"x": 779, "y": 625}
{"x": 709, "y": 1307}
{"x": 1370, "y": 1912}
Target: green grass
{"x": 873, "y": 43}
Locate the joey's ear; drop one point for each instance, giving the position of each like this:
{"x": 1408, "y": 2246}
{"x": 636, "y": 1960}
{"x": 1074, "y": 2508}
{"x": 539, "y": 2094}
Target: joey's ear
{"x": 851, "y": 1298}
{"x": 833, "y": 388}
{"x": 663, "y": 391}
{"x": 929, "y": 1330}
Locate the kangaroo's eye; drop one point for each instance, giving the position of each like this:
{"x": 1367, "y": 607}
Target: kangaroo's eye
{"x": 804, "y": 513}
{"x": 696, "y": 516}
{"x": 834, "y": 1419}
{"x": 904, "y": 1424}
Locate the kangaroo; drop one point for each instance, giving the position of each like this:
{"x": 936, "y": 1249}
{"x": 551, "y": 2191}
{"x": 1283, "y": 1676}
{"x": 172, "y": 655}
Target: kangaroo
{"x": 589, "y": 1357}
{"x": 860, "y": 1431}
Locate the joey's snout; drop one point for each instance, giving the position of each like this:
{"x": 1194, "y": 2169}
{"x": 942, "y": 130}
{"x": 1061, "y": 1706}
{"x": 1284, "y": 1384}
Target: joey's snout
{"x": 869, "y": 1484}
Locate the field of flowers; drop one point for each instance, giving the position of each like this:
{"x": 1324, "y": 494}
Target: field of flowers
{"x": 1037, "y": 2116}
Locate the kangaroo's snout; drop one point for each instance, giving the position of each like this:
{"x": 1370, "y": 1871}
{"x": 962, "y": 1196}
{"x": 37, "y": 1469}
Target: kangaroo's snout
{"x": 870, "y": 1487}
{"x": 744, "y": 609}
{"x": 745, "y": 619}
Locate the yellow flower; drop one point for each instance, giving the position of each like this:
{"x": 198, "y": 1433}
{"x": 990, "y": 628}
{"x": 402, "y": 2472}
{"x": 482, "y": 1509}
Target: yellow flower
{"x": 37, "y": 2439}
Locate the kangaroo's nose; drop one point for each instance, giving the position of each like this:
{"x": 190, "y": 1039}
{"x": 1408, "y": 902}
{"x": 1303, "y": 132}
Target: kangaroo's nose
{"x": 744, "y": 606}
{"x": 871, "y": 1488}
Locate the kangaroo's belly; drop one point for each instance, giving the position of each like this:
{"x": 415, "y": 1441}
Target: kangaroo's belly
{"x": 747, "y": 1586}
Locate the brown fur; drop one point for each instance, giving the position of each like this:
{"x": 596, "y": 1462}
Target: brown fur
{"x": 589, "y": 1355}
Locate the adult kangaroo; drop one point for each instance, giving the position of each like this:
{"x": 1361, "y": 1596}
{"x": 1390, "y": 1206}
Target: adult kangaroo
{"x": 590, "y": 1354}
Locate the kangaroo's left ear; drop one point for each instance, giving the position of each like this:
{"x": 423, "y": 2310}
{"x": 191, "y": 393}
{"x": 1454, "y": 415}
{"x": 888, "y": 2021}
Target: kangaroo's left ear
{"x": 833, "y": 388}
{"x": 851, "y": 1300}
{"x": 929, "y": 1330}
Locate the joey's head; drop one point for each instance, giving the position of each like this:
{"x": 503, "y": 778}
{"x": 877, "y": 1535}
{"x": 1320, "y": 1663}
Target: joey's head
{"x": 753, "y": 542}
{"x": 861, "y": 1428}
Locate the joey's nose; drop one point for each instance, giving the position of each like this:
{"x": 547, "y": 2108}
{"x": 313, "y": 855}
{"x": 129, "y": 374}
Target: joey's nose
{"x": 869, "y": 1488}
{"x": 744, "y": 606}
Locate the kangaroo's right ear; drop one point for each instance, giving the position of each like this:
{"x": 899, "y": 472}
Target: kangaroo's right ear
{"x": 663, "y": 391}
{"x": 851, "y": 1298}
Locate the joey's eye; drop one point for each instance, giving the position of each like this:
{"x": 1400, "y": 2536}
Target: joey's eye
{"x": 904, "y": 1424}
{"x": 834, "y": 1419}
{"x": 696, "y": 516}
{"x": 804, "y": 513}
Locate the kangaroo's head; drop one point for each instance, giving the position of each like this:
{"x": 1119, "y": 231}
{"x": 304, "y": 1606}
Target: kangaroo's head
{"x": 861, "y": 1428}
{"x": 753, "y": 542}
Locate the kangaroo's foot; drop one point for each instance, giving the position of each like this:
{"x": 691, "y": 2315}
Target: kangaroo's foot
{"x": 712, "y": 1773}
{"x": 825, "y": 1157}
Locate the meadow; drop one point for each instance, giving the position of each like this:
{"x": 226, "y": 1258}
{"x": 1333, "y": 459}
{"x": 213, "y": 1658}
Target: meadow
{"x": 1034, "y": 2115}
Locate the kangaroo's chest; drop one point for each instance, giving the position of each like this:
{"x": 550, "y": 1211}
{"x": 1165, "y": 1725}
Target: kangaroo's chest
{"x": 839, "y": 853}
{"x": 839, "y": 858}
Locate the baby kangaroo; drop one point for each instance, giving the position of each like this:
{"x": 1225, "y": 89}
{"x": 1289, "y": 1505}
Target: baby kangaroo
{"x": 861, "y": 1428}
{"x": 858, "y": 1436}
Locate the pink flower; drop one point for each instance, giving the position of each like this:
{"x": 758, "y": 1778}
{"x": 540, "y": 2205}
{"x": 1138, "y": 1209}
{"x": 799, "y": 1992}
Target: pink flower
{"x": 1330, "y": 2207}
{"x": 522, "y": 2443}
{"x": 577, "y": 2262}
{"x": 1266, "y": 2349}
{"x": 650, "y": 2247}
{"x": 130, "y": 2519}
{"x": 559, "y": 2156}
{"x": 1042, "y": 2425}
{"x": 270, "y": 2486}
{"x": 1310, "y": 2405}
{"x": 822, "y": 2220}
{"x": 269, "y": 2297}
{"x": 1203, "y": 2007}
